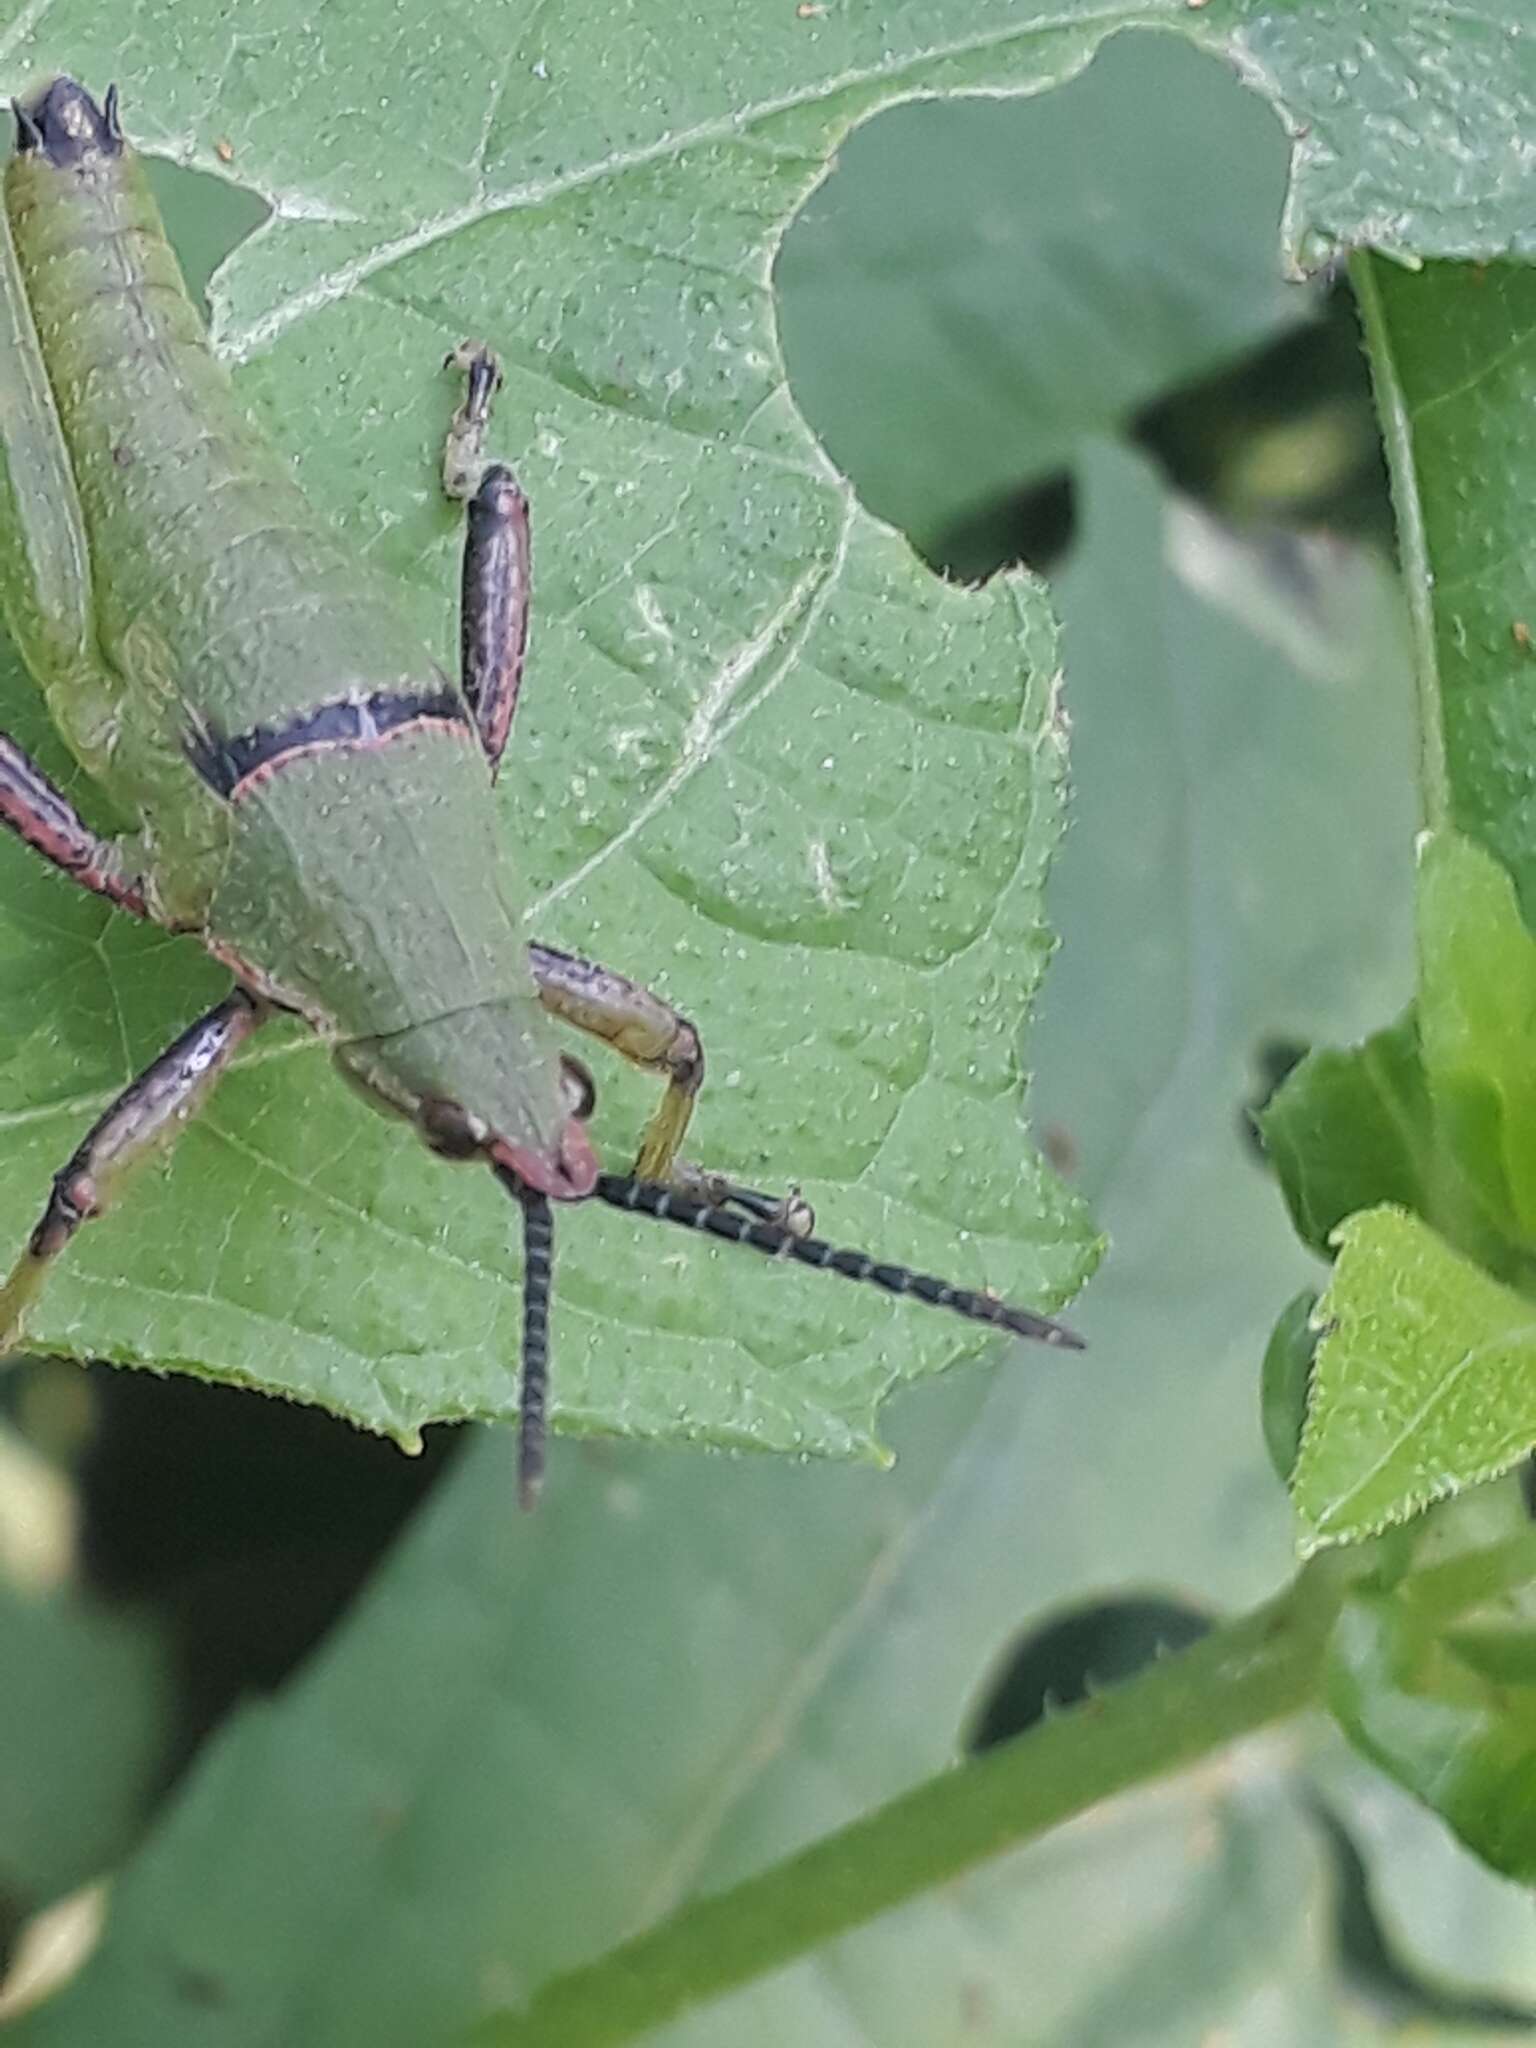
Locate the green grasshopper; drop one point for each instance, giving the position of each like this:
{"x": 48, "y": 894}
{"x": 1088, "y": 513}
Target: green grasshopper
{"x": 313, "y": 796}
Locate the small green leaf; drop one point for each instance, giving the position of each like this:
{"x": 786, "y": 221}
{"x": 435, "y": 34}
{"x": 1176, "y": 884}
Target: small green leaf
{"x": 1425, "y": 1380}
{"x": 1477, "y": 1028}
{"x": 1433, "y": 1119}
{"x": 1286, "y": 1380}
{"x": 1417, "y": 1688}
{"x": 1437, "y": 1113}
{"x": 1350, "y": 1128}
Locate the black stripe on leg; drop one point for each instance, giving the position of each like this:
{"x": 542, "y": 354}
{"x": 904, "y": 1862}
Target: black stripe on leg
{"x": 228, "y": 761}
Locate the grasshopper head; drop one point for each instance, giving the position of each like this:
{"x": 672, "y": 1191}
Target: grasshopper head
{"x": 65, "y": 125}
{"x": 566, "y": 1169}
{"x": 476, "y": 1086}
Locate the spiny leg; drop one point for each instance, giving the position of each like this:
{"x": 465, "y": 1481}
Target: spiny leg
{"x": 38, "y": 811}
{"x": 148, "y": 1112}
{"x": 789, "y": 1211}
{"x": 494, "y": 588}
{"x": 644, "y": 1198}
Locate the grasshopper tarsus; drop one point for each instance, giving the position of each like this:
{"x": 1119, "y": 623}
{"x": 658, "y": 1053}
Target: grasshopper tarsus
{"x": 493, "y": 606}
{"x": 464, "y": 452}
{"x": 494, "y": 582}
{"x": 789, "y": 1212}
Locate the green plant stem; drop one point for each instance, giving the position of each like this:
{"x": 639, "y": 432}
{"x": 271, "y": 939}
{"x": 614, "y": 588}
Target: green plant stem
{"x": 1252, "y": 1671}
{"x": 1413, "y": 544}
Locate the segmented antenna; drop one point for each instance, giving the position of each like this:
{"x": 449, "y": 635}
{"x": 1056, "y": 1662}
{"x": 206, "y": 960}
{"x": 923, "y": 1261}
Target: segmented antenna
{"x": 667, "y": 1205}
{"x": 538, "y": 1261}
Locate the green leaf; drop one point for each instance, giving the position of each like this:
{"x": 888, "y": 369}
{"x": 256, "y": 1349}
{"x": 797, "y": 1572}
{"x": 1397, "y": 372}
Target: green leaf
{"x": 754, "y": 1653}
{"x": 1436, "y": 1116}
{"x": 1477, "y": 1028}
{"x": 766, "y": 762}
{"x": 724, "y": 637}
{"x": 1348, "y": 1129}
{"x": 1453, "y": 1933}
{"x": 1424, "y": 1381}
{"x": 1437, "y": 1113}
{"x": 536, "y": 1739}
{"x": 1411, "y": 1681}
{"x": 1455, "y": 374}
{"x": 1287, "y": 1379}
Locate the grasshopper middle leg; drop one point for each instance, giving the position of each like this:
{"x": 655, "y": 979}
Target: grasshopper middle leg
{"x": 149, "y": 1112}
{"x": 494, "y": 590}
{"x": 493, "y": 628}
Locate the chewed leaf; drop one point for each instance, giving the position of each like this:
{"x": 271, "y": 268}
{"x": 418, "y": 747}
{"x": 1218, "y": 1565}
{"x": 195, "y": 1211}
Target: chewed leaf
{"x": 764, "y": 761}
{"x": 1424, "y": 1380}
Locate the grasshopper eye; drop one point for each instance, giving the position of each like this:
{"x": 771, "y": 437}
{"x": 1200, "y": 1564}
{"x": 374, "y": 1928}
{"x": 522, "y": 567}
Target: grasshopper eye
{"x": 578, "y": 1088}
{"x": 450, "y": 1130}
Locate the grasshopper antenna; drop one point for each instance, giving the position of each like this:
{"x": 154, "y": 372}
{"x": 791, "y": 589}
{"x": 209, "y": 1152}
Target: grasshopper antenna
{"x": 538, "y": 1262}
{"x": 777, "y": 1241}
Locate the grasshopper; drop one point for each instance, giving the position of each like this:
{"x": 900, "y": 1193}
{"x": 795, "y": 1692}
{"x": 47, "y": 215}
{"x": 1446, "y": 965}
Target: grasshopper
{"x": 312, "y": 794}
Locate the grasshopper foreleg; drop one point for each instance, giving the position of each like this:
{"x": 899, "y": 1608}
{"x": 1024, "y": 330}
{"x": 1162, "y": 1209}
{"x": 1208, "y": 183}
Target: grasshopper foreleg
{"x": 494, "y": 590}
{"x": 149, "y": 1112}
{"x": 649, "y": 1033}
{"x": 641, "y": 1028}
{"x": 37, "y": 811}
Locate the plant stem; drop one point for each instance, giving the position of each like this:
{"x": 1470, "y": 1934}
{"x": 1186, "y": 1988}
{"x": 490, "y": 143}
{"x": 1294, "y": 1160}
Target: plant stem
{"x": 1252, "y": 1671}
{"x": 1413, "y": 543}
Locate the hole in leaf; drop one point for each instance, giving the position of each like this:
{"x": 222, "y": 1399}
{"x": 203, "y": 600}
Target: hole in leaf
{"x": 207, "y": 219}
{"x": 1284, "y": 436}
{"x": 1084, "y": 1650}
{"x": 983, "y": 286}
